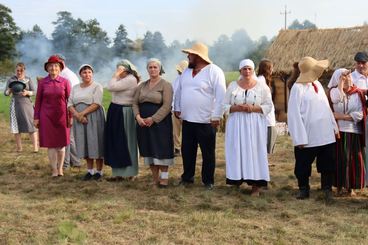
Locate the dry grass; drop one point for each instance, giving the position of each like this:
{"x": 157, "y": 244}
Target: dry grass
{"x": 36, "y": 209}
{"x": 338, "y": 45}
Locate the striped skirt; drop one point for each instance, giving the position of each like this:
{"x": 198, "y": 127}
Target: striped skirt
{"x": 350, "y": 162}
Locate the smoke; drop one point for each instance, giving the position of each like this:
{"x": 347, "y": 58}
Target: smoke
{"x": 33, "y": 52}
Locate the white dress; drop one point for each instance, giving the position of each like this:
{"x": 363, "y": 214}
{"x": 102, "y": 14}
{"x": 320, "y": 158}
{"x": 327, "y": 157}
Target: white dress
{"x": 246, "y": 134}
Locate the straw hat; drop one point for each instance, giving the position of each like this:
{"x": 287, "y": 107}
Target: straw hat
{"x": 54, "y": 59}
{"x": 311, "y": 69}
{"x": 181, "y": 66}
{"x": 199, "y": 49}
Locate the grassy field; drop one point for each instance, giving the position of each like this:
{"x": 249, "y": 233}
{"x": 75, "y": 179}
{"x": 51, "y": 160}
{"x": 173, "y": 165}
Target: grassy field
{"x": 36, "y": 209}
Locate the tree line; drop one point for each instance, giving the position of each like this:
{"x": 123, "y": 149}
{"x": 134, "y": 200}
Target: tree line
{"x": 85, "y": 41}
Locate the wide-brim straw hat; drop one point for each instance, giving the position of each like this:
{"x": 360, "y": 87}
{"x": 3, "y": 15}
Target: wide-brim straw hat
{"x": 199, "y": 49}
{"x": 54, "y": 59}
{"x": 311, "y": 69}
{"x": 181, "y": 66}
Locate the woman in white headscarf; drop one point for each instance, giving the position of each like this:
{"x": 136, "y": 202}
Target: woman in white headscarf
{"x": 348, "y": 104}
{"x": 247, "y": 102}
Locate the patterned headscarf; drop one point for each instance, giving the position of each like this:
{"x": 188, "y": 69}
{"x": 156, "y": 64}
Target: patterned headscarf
{"x": 128, "y": 66}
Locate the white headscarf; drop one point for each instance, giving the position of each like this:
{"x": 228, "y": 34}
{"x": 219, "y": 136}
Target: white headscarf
{"x": 246, "y": 62}
{"x": 334, "y": 81}
{"x": 249, "y": 63}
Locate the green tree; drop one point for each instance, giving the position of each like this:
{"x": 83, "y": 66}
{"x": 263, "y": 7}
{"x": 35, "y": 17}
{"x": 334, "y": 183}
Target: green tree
{"x": 306, "y": 24}
{"x": 9, "y": 33}
{"x": 260, "y": 49}
{"x": 122, "y": 44}
{"x": 80, "y": 41}
{"x": 154, "y": 45}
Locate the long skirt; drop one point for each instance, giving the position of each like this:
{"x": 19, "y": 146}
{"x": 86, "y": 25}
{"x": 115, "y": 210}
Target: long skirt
{"x": 156, "y": 143}
{"x": 21, "y": 115}
{"x": 121, "y": 151}
{"x": 89, "y": 138}
{"x": 350, "y": 162}
{"x": 246, "y": 150}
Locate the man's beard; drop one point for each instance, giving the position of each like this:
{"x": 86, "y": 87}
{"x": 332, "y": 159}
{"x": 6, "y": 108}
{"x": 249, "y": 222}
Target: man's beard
{"x": 191, "y": 65}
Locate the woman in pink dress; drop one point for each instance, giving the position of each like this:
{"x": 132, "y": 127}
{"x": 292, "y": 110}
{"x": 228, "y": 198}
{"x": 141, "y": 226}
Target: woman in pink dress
{"x": 51, "y": 115}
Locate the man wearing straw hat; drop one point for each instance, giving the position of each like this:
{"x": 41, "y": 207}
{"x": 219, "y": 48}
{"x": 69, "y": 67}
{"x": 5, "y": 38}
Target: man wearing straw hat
{"x": 360, "y": 79}
{"x": 312, "y": 127}
{"x": 198, "y": 102}
{"x": 177, "y": 121}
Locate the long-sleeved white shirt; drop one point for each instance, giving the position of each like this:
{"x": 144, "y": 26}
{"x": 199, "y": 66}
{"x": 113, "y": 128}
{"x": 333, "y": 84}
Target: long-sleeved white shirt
{"x": 347, "y": 104}
{"x": 199, "y": 98}
{"x": 359, "y": 80}
{"x": 310, "y": 120}
{"x": 175, "y": 85}
{"x": 70, "y": 75}
{"x": 271, "y": 118}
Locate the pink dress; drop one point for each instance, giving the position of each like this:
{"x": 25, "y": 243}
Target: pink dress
{"x": 51, "y": 110}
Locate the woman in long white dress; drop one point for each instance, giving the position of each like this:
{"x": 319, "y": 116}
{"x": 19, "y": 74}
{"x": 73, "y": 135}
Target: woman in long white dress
{"x": 247, "y": 102}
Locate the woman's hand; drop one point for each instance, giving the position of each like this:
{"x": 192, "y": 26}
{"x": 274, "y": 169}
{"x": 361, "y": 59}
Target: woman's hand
{"x": 140, "y": 121}
{"x": 36, "y": 123}
{"x": 69, "y": 122}
{"x": 25, "y": 93}
{"x": 338, "y": 115}
{"x": 84, "y": 120}
{"x": 148, "y": 121}
{"x": 246, "y": 107}
{"x": 79, "y": 116}
{"x": 119, "y": 71}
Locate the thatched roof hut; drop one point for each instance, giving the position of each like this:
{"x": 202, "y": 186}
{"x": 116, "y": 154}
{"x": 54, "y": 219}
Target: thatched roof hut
{"x": 338, "y": 45}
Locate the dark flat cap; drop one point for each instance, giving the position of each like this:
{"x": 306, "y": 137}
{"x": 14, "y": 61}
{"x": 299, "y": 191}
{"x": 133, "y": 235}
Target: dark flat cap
{"x": 361, "y": 57}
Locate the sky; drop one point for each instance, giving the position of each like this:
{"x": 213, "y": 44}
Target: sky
{"x": 200, "y": 20}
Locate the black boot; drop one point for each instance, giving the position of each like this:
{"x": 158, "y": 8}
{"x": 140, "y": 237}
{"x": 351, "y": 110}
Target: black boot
{"x": 303, "y": 184}
{"x": 326, "y": 186}
{"x": 303, "y": 193}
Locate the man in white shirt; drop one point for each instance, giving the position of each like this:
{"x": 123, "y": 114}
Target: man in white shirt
{"x": 198, "y": 102}
{"x": 360, "y": 79}
{"x": 71, "y": 158}
{"x": 177, "y": 123}
{"x": 312, "y": 127}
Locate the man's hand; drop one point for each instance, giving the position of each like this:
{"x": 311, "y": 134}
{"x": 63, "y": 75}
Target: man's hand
{"x": 215, "y": 123}
{"x": 177, "y": 114}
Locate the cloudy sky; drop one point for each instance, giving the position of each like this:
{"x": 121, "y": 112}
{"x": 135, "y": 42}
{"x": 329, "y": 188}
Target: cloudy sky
{"x": 202, "y": 20}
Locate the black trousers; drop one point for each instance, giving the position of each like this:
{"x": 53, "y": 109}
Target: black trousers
{"x": 326, "y": 164}
{"x": 204, "y": 135}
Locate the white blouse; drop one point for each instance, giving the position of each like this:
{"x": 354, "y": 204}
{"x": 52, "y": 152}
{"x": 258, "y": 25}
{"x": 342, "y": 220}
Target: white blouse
{"x": 347, "y": 104}
{"x": 310, "y": 119}
{"x": 87, "y": 95}
{"x": 258, "y": 95}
